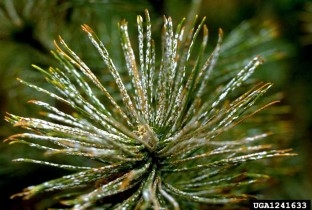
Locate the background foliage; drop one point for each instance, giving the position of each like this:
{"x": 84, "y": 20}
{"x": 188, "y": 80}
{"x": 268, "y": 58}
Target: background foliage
{"x": 28, "y": 28}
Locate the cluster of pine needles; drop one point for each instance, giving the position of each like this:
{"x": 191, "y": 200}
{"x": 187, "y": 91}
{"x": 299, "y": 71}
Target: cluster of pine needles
{"x": 154, "y": 139}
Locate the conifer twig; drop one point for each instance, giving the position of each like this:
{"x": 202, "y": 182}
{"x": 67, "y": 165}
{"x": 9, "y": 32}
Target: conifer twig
{"x": 158, "y": 147}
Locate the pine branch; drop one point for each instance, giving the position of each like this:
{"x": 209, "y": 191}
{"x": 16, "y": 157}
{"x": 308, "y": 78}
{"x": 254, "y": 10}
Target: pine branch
{"x": 169, "y": 120}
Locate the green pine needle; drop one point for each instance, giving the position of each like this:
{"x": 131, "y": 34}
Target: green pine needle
{"x": 159, "y": 145}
